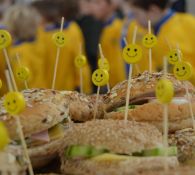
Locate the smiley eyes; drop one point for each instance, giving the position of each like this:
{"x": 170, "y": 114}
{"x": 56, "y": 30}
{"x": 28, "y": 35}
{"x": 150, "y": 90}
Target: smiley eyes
{"x": 148, "y": 38}
{"x": 14, "y": 101}
{"x": 182, "y": 68}
{"x": 101, "y": 75}
{"x": 61, "y": 38}
{"x": 128, "y": 49}
{"x": 2, "y": 36}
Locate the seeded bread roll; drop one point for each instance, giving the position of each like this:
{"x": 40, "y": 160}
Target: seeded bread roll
{"x": 179, "y": 115}
{"x": 185, "y": 142}
{"x": 126, "y": 167}
{"x": 44, "y": 109}
{"x": 142, "y": 88}
{"x": 119, "y": 138}
{"x": 81, "y": 106}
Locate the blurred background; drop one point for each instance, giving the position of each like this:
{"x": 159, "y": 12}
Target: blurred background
{"x": 96, "y": 29}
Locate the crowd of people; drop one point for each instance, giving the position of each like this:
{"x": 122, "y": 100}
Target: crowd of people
{"x": 87, "y": 24}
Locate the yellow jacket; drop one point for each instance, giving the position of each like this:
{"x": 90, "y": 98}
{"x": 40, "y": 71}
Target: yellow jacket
{"x": 32, "y": 54}
{"x": 3, "y": 66}
{"x": 176, "y": 28}
{"x": 110, "y": 41}
{"x": 67, "y": 74}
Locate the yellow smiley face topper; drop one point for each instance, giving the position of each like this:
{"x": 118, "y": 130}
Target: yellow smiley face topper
{"x": 59, "y": 39}
{"x": 5, "y": 39}
{"x": 149, "y": 41}
{"x": 182, "y": 70}
{"x": 164, "y": 91}
{"x": 132, "y": 53}
{"x": 22, "y": 73}
{"x": 4, "y": 137}
{"x": 14, "y": 103}
{"x": 103, "y": 64}
{"x": 100, "y": 77}
{"x": 173, "y": 56}
{"x": 80, "y": 61}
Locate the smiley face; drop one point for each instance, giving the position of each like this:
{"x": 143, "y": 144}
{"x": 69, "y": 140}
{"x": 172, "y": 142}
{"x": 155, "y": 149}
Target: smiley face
{"x": 80, "y": 61}
{"x": 4, "y": 137}
{"x": 59, "y": 39}
{"x": 103, "y": 64}
{"x": 100, "y": 77}
{"x": 5, "y": 39}
{"x": 22, "y": 73}
{"x": 164, "y": 91}
{"x": 173, "y": 56}
{"x": 132, "y": 53}
{"x": 182, "y": 70}
{"x": 149, "y": 41}
{"x": 14, "y": 103}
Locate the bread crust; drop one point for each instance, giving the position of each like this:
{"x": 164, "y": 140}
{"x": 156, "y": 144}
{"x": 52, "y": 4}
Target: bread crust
{"x": 179, "y": 115}
{"x": 114, "y": 135}
{"x": 126, "y": 167}
{"x": 142, "y": 85}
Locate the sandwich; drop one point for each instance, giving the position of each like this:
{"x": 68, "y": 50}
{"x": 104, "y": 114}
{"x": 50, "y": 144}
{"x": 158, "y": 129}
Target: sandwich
{"x": 12, "y": 161}
{"x": 44, "y": 122}
{"x": 113, "y": 147}
{"x": 144, "y": 107}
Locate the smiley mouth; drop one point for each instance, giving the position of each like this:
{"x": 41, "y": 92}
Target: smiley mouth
{"x": 13, "y": 109}
{"x": 181, "y": 75}
{"x": 174, "y": 60}
{"x": 98, "y": 80}
{"x": 149, "y": 43}
{"x": 59, "y": 42}
{"x": 131, "y": 55}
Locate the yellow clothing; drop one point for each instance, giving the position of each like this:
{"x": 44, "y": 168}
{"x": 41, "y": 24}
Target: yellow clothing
{"x": 67, "y": 74}
{"x": 110, "y": 41}
{"x": 3, "y": 66}
{"x": 32, "y": 55}
{"x": 177, "y": 29}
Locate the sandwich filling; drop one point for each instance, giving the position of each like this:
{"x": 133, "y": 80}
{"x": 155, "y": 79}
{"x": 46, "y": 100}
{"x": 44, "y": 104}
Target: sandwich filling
{"x": 90, "y": 152}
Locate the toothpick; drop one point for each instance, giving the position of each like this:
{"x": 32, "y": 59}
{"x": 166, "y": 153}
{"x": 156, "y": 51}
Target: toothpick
{"x": 57, "y": 57}
{"x": 178, "y": 52}
{"x": 128, "y": 92}
{"x": 7, "y": 76}
{"x": 129, "y": 80}
{"x": 134, "y": 35}
{"x": 150, "y": 49}
{"x": 96, "y": 103}
{"x": 10, "y": 69}
{"x": 168, "y": 43}
{"x": 103, "y": 58}
{"x": 165, "y": 119}
{"x": 19, "y": 63}
{"x": 19, "y": 130}
{"x": 81, "y": 80}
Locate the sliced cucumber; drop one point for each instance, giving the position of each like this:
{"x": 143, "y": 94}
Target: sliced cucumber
{"x": 83, "y": 151}
{"x": 171, "y": 151}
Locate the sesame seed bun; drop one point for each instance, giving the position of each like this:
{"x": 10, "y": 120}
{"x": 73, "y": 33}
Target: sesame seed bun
{"x": 142, "y": 86}
{"x": 179, "y": 115}
{"x": 44, "y": 109}
{"x": 114, "y": 135}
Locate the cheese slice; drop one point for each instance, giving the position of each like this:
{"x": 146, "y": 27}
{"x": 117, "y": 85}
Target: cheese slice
{"x": 110, "y": 157}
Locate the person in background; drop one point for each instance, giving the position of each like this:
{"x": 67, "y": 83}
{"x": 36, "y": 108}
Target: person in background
{"x": 67, "y": 74}
{"x": 22, "y": 22}
{"x": 91, "y": 29}
{"x": 170, "y": 27}
{"x": 104, "y": 10}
